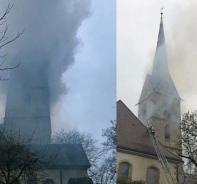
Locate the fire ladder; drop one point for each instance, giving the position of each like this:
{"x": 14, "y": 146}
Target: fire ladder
{"x": 162, "y": 158}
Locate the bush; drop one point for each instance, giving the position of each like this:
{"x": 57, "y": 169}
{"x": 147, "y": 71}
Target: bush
{"x": 129, "y": 181}
{"x": 84, "y": 180}
{"x": 138, "y": 182}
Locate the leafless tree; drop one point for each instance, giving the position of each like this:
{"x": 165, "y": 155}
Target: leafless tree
{"x": 19, "y": 160}
{"x": 189, "y": 146}
{"x": 5, "y": 40}
{"x": 110, "y": 134}
{"x": 188, "y": 143}
{"x": 90, "y": 145}
{"x": 189, "y": 138}
{"x": 109, "y": 177}
{"x": 102, "y": 159}
{"x": 105, "y": 171}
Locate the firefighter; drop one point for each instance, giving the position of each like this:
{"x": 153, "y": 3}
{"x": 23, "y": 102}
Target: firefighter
{"x": 152, "y": 129}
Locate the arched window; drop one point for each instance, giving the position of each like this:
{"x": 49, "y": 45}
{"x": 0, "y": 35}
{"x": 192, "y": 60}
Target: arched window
{"x": 152, "y": 176}
{"x": 124, "y": 170}
{"x": 167, "y": 132}
{"x": 48, "y": 181}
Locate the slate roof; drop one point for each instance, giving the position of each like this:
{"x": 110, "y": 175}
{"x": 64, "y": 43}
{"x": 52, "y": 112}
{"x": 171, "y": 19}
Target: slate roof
{"x": 132, "y": 135}
{"x": 64, "y": 155}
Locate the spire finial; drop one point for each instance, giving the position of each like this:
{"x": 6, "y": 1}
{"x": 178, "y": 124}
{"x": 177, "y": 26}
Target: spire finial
{"x": 162, "y": 13}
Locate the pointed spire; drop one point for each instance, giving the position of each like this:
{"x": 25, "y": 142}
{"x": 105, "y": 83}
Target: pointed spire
{"x": 160, "y": 66}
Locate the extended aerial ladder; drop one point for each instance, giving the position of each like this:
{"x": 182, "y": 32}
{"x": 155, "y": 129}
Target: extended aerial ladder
{"x": 162, "y": 159}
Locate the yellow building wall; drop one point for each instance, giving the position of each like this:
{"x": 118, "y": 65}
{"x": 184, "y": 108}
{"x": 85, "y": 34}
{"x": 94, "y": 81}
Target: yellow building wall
{"x": 139, "y": 166}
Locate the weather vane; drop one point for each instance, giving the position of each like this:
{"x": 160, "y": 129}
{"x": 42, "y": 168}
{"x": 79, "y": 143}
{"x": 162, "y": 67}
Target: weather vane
{"x": 162, "y": 12}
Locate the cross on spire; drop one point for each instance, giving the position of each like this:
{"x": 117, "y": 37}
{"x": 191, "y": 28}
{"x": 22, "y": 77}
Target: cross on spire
{"x": 162, "y": 13}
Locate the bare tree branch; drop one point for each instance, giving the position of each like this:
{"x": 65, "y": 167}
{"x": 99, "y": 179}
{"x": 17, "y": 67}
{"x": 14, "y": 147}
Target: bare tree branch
{"x": 7, "y": 10}
{"x": 189, "y": 140}
{"x": 18, "y": 158}
{"x": 4, "y": 40}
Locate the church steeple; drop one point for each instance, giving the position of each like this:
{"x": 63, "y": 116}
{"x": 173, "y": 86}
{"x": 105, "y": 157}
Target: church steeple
{"x": 159, "y": 102}
{"x": 160, "y": 66}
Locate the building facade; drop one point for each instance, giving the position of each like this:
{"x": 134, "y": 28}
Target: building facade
{"x": 136, "y": 156}
{"x": 159, "y": 105}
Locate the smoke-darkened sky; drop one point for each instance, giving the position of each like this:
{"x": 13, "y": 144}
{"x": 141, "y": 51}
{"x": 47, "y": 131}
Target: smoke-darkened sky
{"x": 76, "y": 40}
{"x": 137, "y": 32}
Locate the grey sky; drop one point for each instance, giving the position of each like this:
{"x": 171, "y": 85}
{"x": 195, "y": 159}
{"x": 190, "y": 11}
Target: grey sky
{"x": 90, "y": 103}
{"x": 137, "y": 33}
{"x": 89, "y": 74}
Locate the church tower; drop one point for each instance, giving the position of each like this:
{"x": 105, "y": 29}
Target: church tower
{"x": 159, "y": 103}
{"x": 28, "y": 101}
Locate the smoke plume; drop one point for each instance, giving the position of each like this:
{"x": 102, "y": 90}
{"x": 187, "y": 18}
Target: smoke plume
{"x": 181, "y": 44}
{"x": 182, "y": 54}
{"x": 49, "y": 41}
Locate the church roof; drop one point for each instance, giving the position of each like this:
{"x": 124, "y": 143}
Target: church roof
{"x": 64, "y": 155}
{"x": 132, "y": 135}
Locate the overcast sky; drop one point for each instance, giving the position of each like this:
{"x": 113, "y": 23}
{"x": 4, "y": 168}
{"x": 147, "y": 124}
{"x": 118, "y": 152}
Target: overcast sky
{"x": 90, "y": 102}
{"x": 137, "y": 32}
{"x": 91, "y": 78}
{"x": 82, "y": 83}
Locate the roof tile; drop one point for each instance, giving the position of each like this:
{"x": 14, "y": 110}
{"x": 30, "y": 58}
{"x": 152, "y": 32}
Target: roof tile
{"x": 133, "y": 135}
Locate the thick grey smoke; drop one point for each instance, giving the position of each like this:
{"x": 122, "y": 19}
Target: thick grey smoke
{"x": 50, "y": 39}
{"x": 182, "y": 54}
{"x": 181, "y": 45}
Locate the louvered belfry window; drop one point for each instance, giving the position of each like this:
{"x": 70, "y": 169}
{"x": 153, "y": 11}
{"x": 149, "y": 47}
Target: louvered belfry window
{"x": 167, "y": 132}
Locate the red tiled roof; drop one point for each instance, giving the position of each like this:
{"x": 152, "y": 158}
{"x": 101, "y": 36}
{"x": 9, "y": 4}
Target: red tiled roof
{"x": 133, "y": 135}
